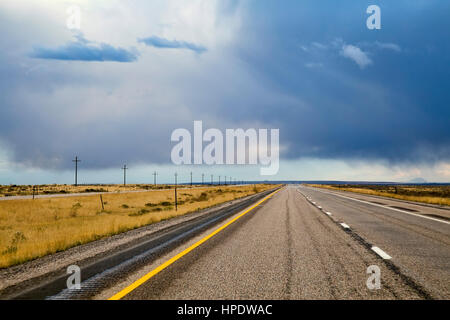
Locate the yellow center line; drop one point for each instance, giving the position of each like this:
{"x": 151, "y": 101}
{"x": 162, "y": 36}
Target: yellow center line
{"x": 155, "y": 271}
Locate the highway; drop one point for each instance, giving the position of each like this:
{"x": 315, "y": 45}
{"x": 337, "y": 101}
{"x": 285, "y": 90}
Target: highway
{"x": 289, "y": 248}
{"x": 295, "y": 243}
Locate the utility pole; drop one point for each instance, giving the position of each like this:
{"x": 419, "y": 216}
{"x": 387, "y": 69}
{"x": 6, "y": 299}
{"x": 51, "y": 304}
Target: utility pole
{"x": 176, "y": 202}
{"x": 203, "y": 178}
{"x": 124, "y": 174}
{"x": 154, "y": 177}
{"x": 191, "y": 178}
{"x": 76, "y": 169}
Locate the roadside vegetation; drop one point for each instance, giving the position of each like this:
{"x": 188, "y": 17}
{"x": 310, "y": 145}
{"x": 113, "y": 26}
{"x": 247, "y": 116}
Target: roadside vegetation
{"x": 432, "y": 194}
{"x": 25, "y": 190}
{"x": 34, "y": 228}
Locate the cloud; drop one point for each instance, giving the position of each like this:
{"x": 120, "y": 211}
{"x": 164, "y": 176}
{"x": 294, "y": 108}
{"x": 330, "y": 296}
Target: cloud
{"x": 112, "y": 113}
{"x": 356, "y": 54}
{"x": 319, "y": 45}
{"x": 84, "y": 50}
{"x": 389, "y": 46}
{"x": 158, "y": 42}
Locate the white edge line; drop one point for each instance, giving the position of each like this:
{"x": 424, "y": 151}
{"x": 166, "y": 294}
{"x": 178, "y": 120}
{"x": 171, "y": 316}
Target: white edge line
{"x": 378, "y": 205}
{"x": 381, "y": 253}
{"x": 345, "y": 226}
{"x": 328, "y": 213}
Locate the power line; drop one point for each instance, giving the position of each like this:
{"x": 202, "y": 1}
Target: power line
{"x": 124, "y": 174}
{"x": 76, "y": 169}
{"x": 176, "y": 200}
{"x": 154, "y": 177}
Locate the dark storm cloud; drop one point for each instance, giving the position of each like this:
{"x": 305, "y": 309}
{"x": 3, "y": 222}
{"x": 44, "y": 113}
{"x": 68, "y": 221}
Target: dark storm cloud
{"x": 284, "y": 68}
{"x": 385, "y": 98}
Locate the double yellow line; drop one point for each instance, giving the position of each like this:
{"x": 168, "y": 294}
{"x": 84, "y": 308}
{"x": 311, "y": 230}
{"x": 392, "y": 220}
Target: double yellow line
{"x": 155, "y": 271}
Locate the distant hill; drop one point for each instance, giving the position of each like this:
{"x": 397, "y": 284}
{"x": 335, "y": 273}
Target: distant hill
{"x": 418, "y": 180}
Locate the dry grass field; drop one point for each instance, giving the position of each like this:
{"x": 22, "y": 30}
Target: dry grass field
{"x": 33, "y": 228}
{"x": 24, "y": 190}
{"x": 433, "y": 194}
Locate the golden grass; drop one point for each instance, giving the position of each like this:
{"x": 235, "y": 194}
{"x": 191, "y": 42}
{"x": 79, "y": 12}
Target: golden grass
{"x": 402, "y": 192}
{"x": 34, "y": 228}
{"x": 22, "y": 190}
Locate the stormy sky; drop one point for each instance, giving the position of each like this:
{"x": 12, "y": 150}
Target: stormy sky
{"x": 350, "y": 103}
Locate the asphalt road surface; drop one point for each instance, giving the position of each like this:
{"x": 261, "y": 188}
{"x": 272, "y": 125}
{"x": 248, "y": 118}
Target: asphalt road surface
{"x": 289, "y": 247}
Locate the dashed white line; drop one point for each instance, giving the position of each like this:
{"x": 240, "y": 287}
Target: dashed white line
{"x": 381, "y": 253}
{"x": 345, "y": 226}
{"x": 319, "y": 207}
{"x": 382, "y": 206}
{"x": 328, "y": 213}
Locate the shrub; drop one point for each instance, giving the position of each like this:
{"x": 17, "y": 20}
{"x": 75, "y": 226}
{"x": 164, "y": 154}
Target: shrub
{"x": 202, "y": 197}
{"x": 150, "y": 204}
{"x": 74, "y": 210}
{"x": 143, "y": 211}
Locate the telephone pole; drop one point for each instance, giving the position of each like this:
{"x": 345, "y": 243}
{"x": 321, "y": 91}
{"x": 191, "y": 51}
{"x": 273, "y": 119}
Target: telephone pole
{"x": 176, "y": 201}
{"x": 154, "y": 177}
{"x": 76, "y": 169}
{"x": 124, "y": 174}
{"x": 203, "y": 178}
{"x": 191, "y": 178}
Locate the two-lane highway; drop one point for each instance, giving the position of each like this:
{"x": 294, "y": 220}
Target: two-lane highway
{"x": 288, "y": 248}
{"x": 416, "y": 236}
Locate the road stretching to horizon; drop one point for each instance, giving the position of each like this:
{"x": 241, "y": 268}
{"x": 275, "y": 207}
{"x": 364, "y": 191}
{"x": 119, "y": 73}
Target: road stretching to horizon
{"x": 301, "y": 243}
{"x": 290, "y": 249}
